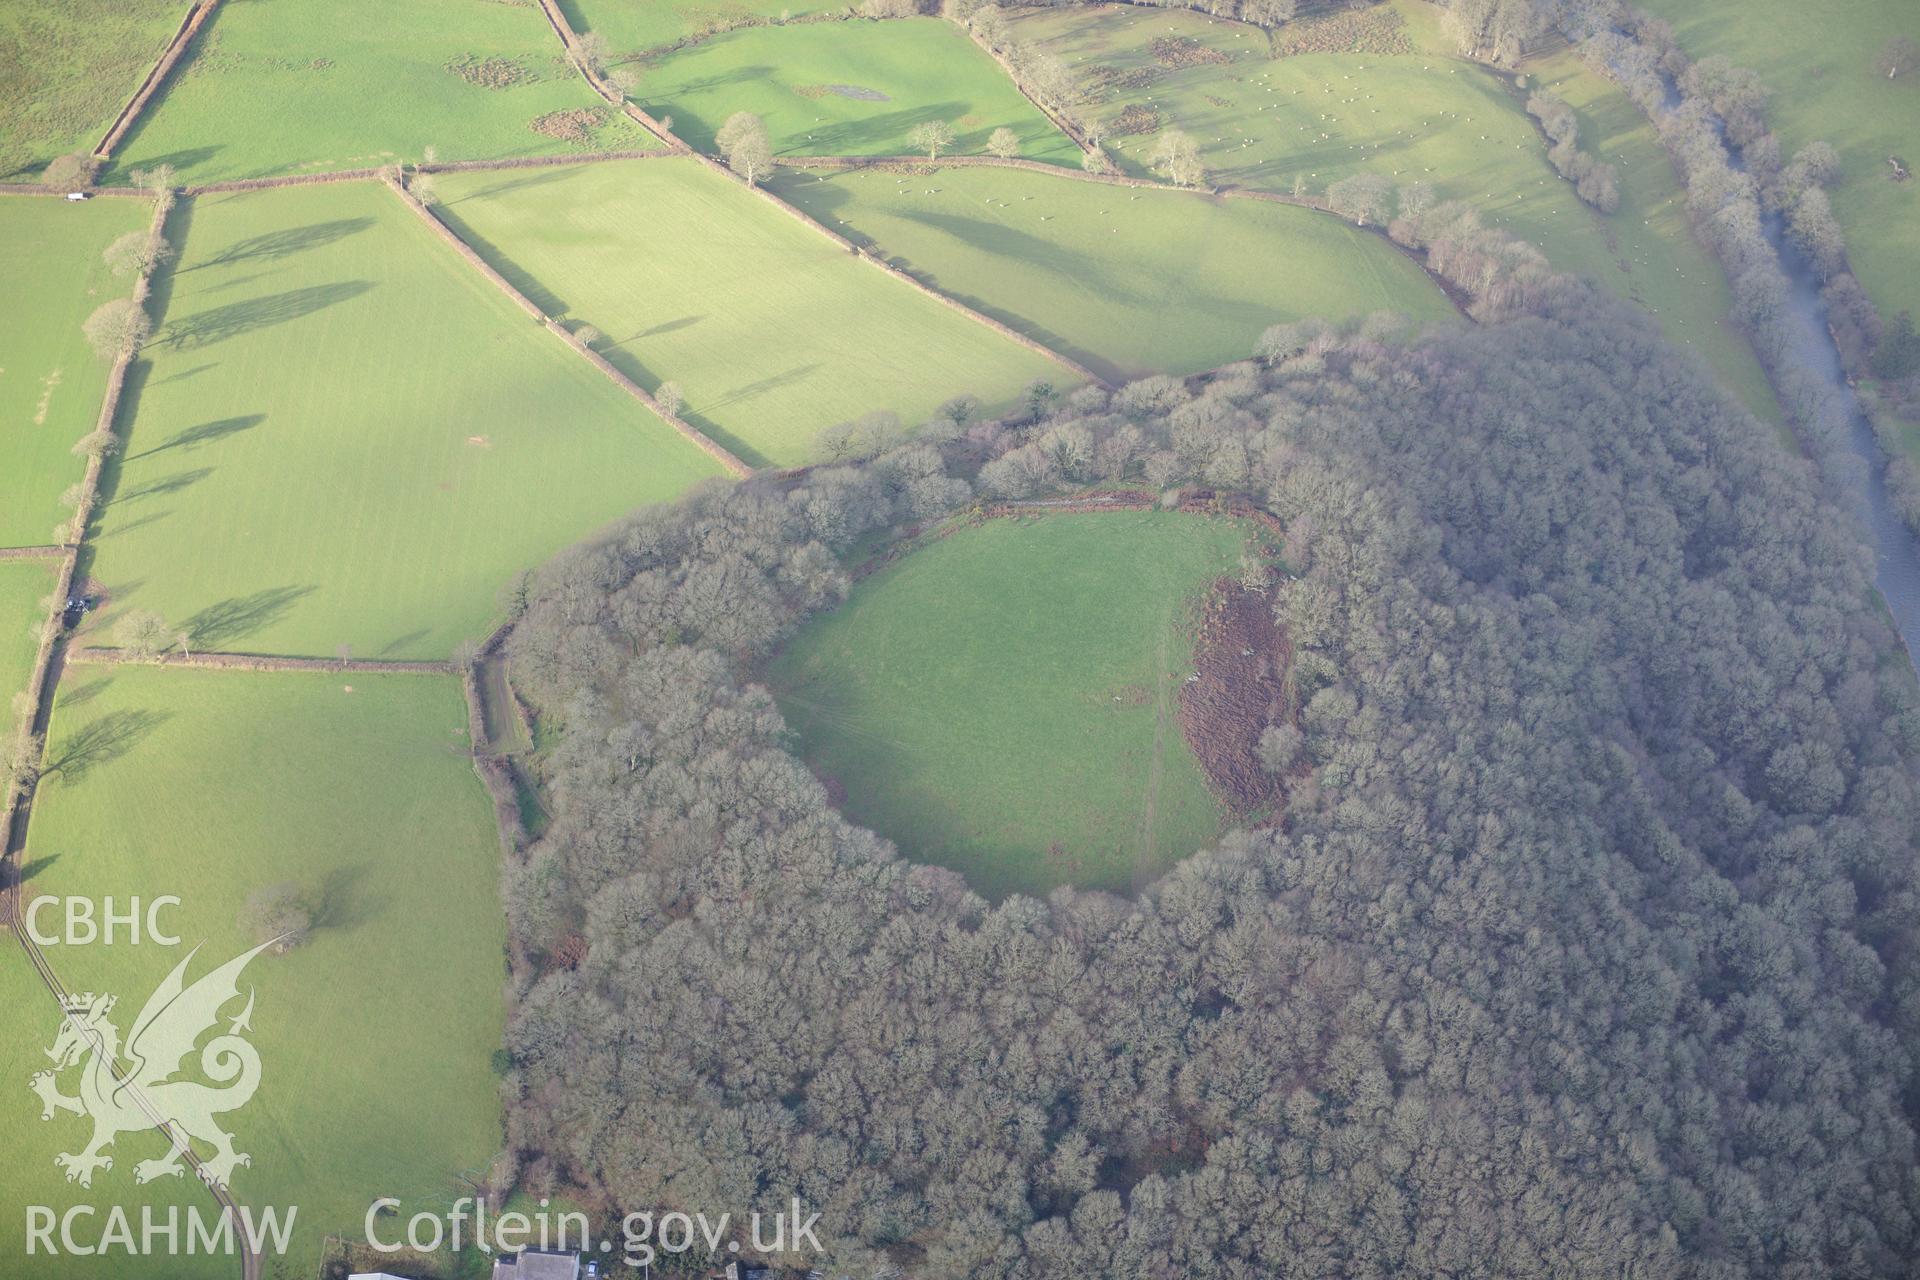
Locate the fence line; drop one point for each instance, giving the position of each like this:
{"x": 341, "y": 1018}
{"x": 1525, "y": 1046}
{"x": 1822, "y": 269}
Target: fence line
{"x": 48, "y": 552}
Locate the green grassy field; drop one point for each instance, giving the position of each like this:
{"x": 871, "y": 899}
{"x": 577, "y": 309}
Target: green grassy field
{"x": 277, "y": 86}
{"x": 23, "y": 584}
{"x": 50, "y": 379}
{"x": 771, "y": 331}
{"x": 634, "y": 26}
{"x": 1003, "y": 701}
{"x": 1126, "y": 282}
{"x": 1818, "y": 62}
{"x": 375, "y": 1036}
{"x": 343, "y": 436}
{"x": 1319, "y": 117}
{"x": 66, "y": 70}
{"x": 796, "y": 78}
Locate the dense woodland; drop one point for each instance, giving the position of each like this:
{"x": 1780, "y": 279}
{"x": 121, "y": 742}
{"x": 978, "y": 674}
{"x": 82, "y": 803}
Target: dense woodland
{"x": 1586, "y": 946}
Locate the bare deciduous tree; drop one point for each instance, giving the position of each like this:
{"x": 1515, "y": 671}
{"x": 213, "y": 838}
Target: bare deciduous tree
{"x": 931, "y": 135}
{"x": 116, "y": 327}
{"x": 143, "y": 635}
{"x": 282, "y": 913}
{"x": 1003, "y": 142}
{"x": 1178, "y": 157}
{"x": 136, "y": 253}
{"x": 744, "y": 142}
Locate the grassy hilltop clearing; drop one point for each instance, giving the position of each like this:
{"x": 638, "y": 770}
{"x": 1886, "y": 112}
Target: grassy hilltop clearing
{"x": 279, "y": 86}
{"x": 1128, "y": 283}
{"x": 65, "y": 70}
{"x": 344, "y": 437}
{"x": 374, "y": 1035}
{"x": 53, "y": 276}
{"x": 771, "y": 331}
{"x": 1002, "y": 701}
{"x": 1818, "y": 62}
{"x": 848, "y": 88}
{"x": 1410, "y": 112}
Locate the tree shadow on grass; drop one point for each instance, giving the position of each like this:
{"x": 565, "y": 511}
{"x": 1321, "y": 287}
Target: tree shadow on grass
{"x": 217, "y": 324}
{"x": 161, "y": 487}
{"x": 28, "y": 870}
{"x": 761, "y": 386}
{"x": 79, "y": 695}
{"x": 206, "y": 433}
{"x": 285, "y": 242}
{"x": 103, "y": 741}
{"x": 338, "y": 900}
{"x": 670, "y": 326}
{"x": 531, "y": 178}
{"x": 219, "y": 625}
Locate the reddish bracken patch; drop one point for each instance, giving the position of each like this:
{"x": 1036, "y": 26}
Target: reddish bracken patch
{"x": 1240, "y": 659}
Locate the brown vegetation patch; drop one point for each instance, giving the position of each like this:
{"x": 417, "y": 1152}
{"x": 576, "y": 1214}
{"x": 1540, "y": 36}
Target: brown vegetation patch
{"x": 490, "y": 73}
{"x": 574, "y": 125}
{"x": 1105, "y": 81}
{"x": 1379, "y": 30}
{"x": 1136, "y": 119}
{"x": 1240, "y": 660}
{"x": 1175, "y": 52}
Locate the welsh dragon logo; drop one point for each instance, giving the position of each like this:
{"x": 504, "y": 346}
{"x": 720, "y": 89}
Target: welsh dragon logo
{"x": 130, "y": 1087}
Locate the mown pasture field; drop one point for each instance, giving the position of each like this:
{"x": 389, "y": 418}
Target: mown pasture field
{"x": 343, "y": 437}
{"x": 278, "y": 87}
{"x": 634, "y": 26}
{"x": 1817, "y": 61}
{"x": 854, "y": 88}
{"x": 23, "y": 585}
{"x": 1312, "y": 119}
{"x": 66, "y": 69}
{"x": 1004, "y": 701}
{"x": 375, "y": 1036}
{"x": 1126, "y": 282}
{"x": 51, "y": 381}
{"x": 772, "y": 332}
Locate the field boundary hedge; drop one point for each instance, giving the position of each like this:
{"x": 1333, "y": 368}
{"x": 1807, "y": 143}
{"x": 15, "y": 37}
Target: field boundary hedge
{"x": 47, "y": 552}
{"x": 14, "y": 814}
{"x": 731, "y": 463}
{"x": 96, "y": 656}
{"x": 571, "y": 42}
{"x": 156, "y": 76}
{"x": 1059, "y": 119}
{"x": 40, "y": 682}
